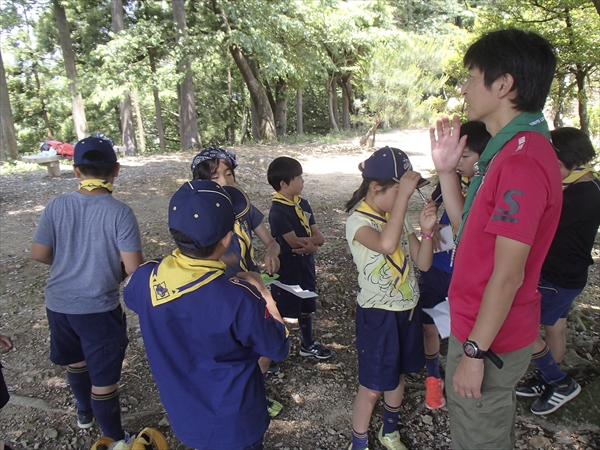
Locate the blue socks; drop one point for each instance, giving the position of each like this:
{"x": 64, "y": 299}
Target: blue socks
{"x": 360, "y": 441}
{"x": 107, "y": 411}
{"x": 306, "y": 330}
{"x": 81, "y": 386}
{"x": 432, "y": 363}
{"x": 546, "y": 364}
{"x": 390, "y": 418}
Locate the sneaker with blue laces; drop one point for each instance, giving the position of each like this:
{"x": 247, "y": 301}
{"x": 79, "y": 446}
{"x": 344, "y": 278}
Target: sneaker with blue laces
{"x": 317, "y": 350}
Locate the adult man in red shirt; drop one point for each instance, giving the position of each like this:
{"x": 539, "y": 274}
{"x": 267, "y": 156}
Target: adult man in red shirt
{"x": 508, "y": 222}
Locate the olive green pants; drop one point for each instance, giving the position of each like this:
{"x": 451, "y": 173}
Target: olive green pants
{"x": 487, "y": 422}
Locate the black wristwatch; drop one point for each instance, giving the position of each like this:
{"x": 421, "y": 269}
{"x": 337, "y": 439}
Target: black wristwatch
{"x": 472, "y": 350}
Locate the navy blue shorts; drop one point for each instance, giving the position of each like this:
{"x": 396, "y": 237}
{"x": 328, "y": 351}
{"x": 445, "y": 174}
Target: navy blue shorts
{"x": 99, "y": 339}
{"x": 433, "y": 285}
{"x": 388, "y": 344}
{"x": 556, "y": 301}
{"x": 300, "y": 270}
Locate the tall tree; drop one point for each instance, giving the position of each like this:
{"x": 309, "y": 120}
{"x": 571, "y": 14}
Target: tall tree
{"x": 188, "y": 120}
{"x": 127, "y": 129}
{"x": 7, "y": 127}
{"x": 81, "y": 127}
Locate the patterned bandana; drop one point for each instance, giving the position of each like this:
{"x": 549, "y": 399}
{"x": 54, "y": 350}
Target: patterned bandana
{"x": 215, "y": 153}
{"x": 92, "y": 184}
{"x": 526, "y": 121}
{"x": 577, "y": 173}
{"x": 178, "y": 274}
{"x": 397, "y": 262}
{"x": 299, "y": 211}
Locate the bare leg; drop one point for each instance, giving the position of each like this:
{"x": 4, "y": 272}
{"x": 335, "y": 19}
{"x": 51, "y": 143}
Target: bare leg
{"x": 556, "y": 338}
{"x": 363, "y": 408}
{"x": 431, "y": 339}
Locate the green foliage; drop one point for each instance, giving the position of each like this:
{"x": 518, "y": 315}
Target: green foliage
{"x": 402, "y": 79}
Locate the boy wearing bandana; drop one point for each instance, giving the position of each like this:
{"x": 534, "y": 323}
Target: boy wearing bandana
{"x": 89, "y": 239}
{"x": 565, "y": 270}
{"x": 294, "y": 228}
{"x": 205, "y": 332}
{"x": 510, "y": 216}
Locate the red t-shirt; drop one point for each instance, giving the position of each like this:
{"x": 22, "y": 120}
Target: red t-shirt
{"x": 520, "y": 199}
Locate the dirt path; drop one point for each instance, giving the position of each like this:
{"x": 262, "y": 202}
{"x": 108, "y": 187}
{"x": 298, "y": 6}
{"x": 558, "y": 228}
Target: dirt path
{"x": 317, "y": 396}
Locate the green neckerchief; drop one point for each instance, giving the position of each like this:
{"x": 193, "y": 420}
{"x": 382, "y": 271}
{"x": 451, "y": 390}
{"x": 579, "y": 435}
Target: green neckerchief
{"x": 526, "y": 121}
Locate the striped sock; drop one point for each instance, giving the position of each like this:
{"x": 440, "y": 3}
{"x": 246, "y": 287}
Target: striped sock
{"x": 360, "y": 441}
{"x": 390, "y": 418}
{"x": 107, "y": 411}
{"x": 546, "y": 364}
{"x": 81, "y": 386}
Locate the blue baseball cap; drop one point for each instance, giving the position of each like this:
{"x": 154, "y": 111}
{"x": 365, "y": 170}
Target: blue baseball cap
{"x": 239, "y": 199}
{"x": 388, "y": 162}
{"x": 102, "y": 145}
{"x": 202, "y": 210}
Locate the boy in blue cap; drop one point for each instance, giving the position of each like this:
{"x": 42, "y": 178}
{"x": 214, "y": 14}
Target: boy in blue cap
{"x": 205, "y": 332}
{"x": 89, "y": 238}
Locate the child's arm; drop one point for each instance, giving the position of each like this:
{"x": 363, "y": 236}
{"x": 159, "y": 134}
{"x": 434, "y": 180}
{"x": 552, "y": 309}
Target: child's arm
{"x": 386, "y": 242}
{"x": 421, "y": 252}
{"x": 300, "y": 245}
{"x": 131, "y": 261}
{"x": 317, "y": 237}
{"x": 42, "y": 253}
{"x": 255, "y": 279}
{"x": 272, "y": 255}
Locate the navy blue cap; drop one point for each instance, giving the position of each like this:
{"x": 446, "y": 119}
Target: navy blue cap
{"x": 101, "y": 145}
{"x": 202, "y": 210}
{"x": 388, "y": 162}
{"x": 239, "y": 199}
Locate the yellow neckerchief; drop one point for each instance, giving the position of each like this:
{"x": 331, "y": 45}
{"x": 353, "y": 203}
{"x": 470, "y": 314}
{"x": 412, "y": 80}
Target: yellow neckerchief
{"x": 92, "y": 184}
{"x": 397, "y": 262}
{"x": 299, "y": 211}
{"x": 244, "y": 242}
{"x": 577, "y": 173}
{"x": 178, "y": 274}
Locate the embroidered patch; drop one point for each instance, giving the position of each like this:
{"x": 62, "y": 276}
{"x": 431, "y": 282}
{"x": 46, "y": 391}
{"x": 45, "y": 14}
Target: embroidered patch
{"x": 521, "y": 143}
{"x": 161, "y": 290}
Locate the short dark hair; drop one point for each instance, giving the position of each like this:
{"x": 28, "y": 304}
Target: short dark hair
{"x": 206, "y": 169}
{"x": 99, "y": 169}
{"x": 477, "y": 136}
{"x": 573, "y": 147}
{"x": 283, "y": 169}
{"x": 192, "y": 252}
{"x": 527, "y": 57}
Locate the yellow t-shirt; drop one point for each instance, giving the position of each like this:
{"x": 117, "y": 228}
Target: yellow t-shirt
{"x": 374, "y": 277}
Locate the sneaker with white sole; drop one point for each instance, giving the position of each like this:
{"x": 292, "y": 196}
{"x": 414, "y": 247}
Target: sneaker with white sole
{"x": 556, "y": 394}
{"x": 434, "y": 393}
{"x": 317, "y": 350}
{"x": 533, "y": 387}
{"x": 391, "y": 441}
{"x": 85, "y": 419}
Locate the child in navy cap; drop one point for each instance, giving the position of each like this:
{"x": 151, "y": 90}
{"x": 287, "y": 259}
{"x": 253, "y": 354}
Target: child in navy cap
{"x": 205, "y": 332}
{"x": 384, "y": 246}
{"x": 89, "y": 235}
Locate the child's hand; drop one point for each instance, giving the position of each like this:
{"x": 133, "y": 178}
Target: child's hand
{"x": 428, "y": 217}
{"x": 447, "y": 147}
{"x": 271, "y": 263}
{"x": 408, "y": 184}
{"x": 306, "y": 247}
{"x": 6, "y": 343}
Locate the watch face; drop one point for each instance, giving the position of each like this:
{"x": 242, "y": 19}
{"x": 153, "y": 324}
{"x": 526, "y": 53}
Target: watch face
{"x": 469, "y": 349}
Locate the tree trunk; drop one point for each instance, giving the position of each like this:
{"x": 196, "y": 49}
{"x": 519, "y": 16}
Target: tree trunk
{"x": 7, "y": 127}
{"x": 128, "y": 136}
{"x": 157, "y": 108}
{"x": 330, "y": 100}
{"x": 348, "y": 107}
{"x": 281, "y": 108}
{"x": 231, "y": 126}
{"x": 44, "y": 111}
{"x": 140, "y": 122}
{"x": 64, "y": 36}
{"x": 258, "y": 94}
{"x": 299, "y": 121}
{"x": 345, "y": 110}
{"x": 369, "y": 138}
{"x": 560, "y": 102}
{"x": 254, "y": 121}
{"x": 244, "y": 132}
{"x": 188, "y": 120}
{"x": 584, "y": 120}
